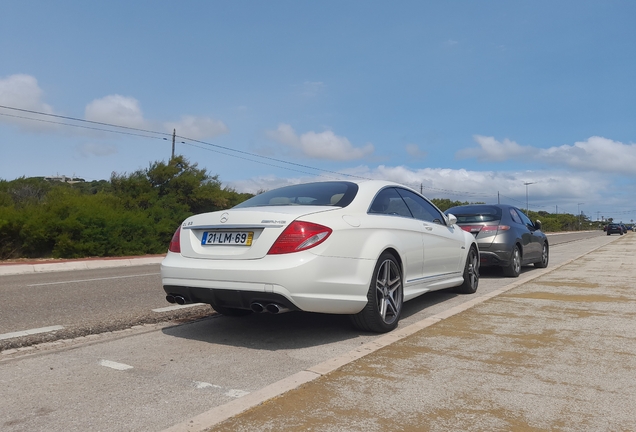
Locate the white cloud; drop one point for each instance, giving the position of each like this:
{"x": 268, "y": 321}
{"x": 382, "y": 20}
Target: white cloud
{"x": 491, "y": 150}
{"x": 22, "y": 91}
{"x": 323, "y": 145}
{"x": 197, "y": 127}
{"x": 595, "y": 154}
{"x": 116, "y": 109}
{"x": 413, "y": 150}
{"x": 550, "y": 188}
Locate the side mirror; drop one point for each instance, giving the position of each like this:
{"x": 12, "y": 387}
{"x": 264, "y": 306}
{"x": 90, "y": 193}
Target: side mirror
{"x": 537, "y": 224}
{"x": 452, "y": 219}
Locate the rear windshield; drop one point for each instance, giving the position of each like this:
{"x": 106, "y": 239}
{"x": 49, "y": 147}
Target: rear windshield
{"x": 336, "y": 193}
{"x": 475, "y": 214}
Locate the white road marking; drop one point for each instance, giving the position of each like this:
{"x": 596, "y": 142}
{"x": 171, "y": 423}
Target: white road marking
{"x": 176, "y": 307}
{"x": 114, "y": 365}
{"x": 231, "y": 393}
{"x": 236, "y": 393}
{"x": 91, "y": 280}
{"x": 30, "y": 332}
{"x": 201, "y": 385}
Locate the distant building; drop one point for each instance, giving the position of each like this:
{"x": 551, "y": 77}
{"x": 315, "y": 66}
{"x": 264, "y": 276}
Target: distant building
{"x": 64, "y": 179}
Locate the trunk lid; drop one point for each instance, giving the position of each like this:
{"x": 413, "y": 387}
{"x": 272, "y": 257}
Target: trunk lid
{"x": 239, "y": 233}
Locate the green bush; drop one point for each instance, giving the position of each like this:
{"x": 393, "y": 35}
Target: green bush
{"x": 132, "y": 214}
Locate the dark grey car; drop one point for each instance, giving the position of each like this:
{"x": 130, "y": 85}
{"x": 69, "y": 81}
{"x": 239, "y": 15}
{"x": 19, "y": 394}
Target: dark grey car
{"x": 505, "y": 235}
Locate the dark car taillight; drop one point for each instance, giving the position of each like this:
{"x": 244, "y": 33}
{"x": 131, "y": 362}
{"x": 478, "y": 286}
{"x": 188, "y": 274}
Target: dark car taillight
{"x": 476, "y": 229}
{"x": 175, "y": 243}
{"x": 299, "y": 236}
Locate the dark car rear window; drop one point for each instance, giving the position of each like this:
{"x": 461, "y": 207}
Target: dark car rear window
{"x": 336, "y": 193}
{"x": 475, "y": 214}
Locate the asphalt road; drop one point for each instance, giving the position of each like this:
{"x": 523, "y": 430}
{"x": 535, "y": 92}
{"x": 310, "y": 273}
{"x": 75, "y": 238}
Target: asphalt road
{"x": 81, "y": 303}
{"x": 152, "y": 376}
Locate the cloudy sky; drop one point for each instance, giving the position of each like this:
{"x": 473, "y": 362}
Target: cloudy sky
{"x": 472, "y": 101}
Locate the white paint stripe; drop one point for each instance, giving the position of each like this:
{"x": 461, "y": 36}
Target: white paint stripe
{"x": 236, "y": 393}
{"x": 176, "y": 307}
{"x": 30, "y": 332}
{"x": 202, "y": 385}
{"x": 91, "y": 280}
{"x": 114, "y": 365}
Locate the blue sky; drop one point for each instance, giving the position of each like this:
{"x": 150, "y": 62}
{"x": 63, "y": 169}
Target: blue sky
{"x": 464, "y": 100}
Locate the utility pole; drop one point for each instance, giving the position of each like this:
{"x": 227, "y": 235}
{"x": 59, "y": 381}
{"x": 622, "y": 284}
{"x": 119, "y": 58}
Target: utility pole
{"x": 421, "y": 189}
{"x": 174, "y": 135}
{"x": 527, "y": 183}
{"x": 578, "y": 208}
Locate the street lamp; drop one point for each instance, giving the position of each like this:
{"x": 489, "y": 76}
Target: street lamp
{"x": 527, "y": 183}
{"x": 578, "y": 207}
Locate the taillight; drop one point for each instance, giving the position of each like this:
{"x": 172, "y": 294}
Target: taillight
{"x": 476, "y": 229}
{"x": 299, "y": 236}
{"x": 175, "y": 243}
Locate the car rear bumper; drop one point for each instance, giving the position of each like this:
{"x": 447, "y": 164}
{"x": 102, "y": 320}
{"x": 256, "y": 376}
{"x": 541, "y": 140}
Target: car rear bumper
{"x": 300, "y": 281}
{"x": 490, "y": 259}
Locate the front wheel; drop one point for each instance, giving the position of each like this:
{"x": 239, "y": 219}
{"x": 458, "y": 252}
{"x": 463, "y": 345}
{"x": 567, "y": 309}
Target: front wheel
{"x": 385, "y": 298}
{"x": 545, "y": 257}
{"x": 514, "y": 268}
{"x": 471, "y": 273}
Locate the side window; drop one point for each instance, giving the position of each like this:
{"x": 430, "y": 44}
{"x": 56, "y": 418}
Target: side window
{"x": 515, "y": 216}
{"x": 389, "y": 202}
{"x": 421, "y": 209}
{"x": 526, "y": 220}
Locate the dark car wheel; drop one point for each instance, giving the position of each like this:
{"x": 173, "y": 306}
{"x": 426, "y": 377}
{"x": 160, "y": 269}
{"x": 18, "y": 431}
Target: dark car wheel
{"x": 231, "y": 311}
{"x": 385, "y": 298}
{"x": 514, "y": 268}
{"x": 471, "y": 273}
{"x": 545, "y": 257}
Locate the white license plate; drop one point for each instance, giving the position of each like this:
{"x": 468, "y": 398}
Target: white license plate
{"x": 227, "y": 238}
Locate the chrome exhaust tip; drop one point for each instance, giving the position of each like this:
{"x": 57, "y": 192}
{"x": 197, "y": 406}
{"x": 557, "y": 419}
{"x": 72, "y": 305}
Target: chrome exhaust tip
{"x": 180, "y": 300}
{"x": 170, "y": 299}
{"x": 257, "y": 307}
{"x": 276, "y": 309}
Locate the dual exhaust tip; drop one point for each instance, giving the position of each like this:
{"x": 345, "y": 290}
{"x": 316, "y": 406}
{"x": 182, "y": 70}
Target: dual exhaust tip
{"x": 272, "y": 308}
{"x": 180, "y": 300}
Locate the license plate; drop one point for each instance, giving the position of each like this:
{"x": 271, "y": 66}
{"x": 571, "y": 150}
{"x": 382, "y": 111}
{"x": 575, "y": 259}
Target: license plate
{"x": 227, "y": 238}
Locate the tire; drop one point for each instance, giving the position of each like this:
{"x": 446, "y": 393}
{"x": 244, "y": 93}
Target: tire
{"x": 545, "y": 257}
{"x": 385, "y": 298}
{"x": 471, "y": 273}
{"x": 514, "y": 268}
{"x": 231, "y": 311}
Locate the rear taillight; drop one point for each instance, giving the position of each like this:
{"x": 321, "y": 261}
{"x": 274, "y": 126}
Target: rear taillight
{"x": 476, "y": 229}
{"x": 175, "y": 243}
{"x": 299, "y": 236}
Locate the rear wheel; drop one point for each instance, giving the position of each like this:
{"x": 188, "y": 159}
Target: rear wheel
{"x": 514, "y": 268}
{"x": 385, "y": 298}
{"x": 231, "y": 311}
{"x": 545, "y": 257}
{"x": 471, "y": 273}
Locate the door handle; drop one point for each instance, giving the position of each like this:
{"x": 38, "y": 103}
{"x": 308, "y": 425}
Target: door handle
{"x": 428, "y": 228}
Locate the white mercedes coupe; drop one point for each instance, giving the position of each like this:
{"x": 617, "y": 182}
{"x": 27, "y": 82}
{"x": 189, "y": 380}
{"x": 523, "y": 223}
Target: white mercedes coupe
{"x": 340, "y": 247}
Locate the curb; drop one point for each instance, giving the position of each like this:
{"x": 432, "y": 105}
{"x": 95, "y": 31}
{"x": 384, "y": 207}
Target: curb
{"x": 29, "y": 268}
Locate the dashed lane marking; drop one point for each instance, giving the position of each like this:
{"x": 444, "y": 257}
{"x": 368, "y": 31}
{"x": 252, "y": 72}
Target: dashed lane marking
{"x": 114, "y": 365}
{"x": 30, "y": 332}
